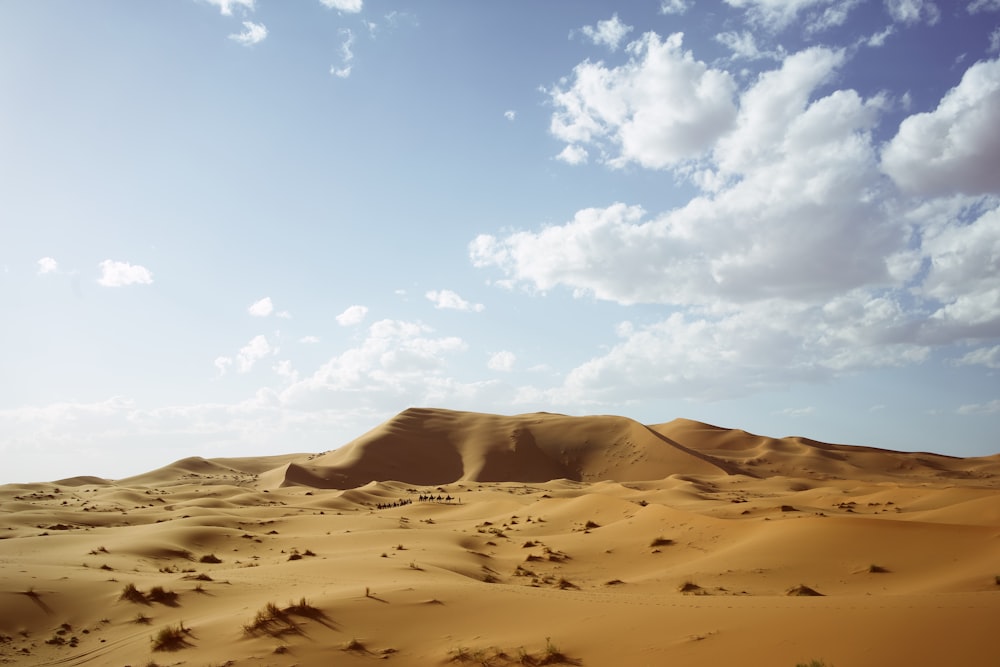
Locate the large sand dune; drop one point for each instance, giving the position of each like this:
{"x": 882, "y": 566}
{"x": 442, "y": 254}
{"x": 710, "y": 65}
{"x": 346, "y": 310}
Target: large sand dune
{"x": 446, "y": 537}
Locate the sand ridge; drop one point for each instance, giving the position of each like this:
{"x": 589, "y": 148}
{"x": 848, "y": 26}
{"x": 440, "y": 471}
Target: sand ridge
{"x": 533, "y": 539}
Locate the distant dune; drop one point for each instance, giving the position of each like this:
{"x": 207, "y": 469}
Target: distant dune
{"x": 434, "y": 446}
{"x": 458, "y": 538}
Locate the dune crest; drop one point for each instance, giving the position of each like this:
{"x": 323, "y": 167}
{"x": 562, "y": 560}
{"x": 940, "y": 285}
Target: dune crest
{"x": 435, "y": 446}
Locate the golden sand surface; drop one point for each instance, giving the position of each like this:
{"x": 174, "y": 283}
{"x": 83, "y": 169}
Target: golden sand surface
{"x": 455, "y": 538}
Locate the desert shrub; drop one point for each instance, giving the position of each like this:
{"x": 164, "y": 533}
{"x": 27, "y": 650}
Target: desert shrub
{"x": 354, "y": 645}
{"x": 813, "y": 663}
{"x": 132, "y": 594}
{"x": 210, "y": 558}
{"x": 170, "y": 638}
{"x": 661, "y": 542}
{"x": 161, "y": 595}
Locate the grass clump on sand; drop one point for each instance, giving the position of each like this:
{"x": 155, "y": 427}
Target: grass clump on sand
{"x": 171, "y": 638}
{"x": 132, "y": 594}
{"x": 813, "y": 663}
{"x": 661, "y": 542}
{"x": 275, "y": 621}
{"x": 210, "y": 558}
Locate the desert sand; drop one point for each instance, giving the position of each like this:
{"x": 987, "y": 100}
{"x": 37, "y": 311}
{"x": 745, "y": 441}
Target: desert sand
{"x": 445, "y": 537}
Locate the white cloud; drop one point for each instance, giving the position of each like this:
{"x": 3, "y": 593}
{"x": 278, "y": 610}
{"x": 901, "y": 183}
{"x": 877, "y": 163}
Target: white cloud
{"x": 674, "y": 6}
{"x": 352, "y": 315}
{"x": 659, "y": 109}
{"x": 995, "y": 41}
{"x": 120, "y": 274}
{"x": 309, "y": 340}
{"x": 744, "y": 45}
{"x": 253, "y": 33}
{"x": 983, "y": 356}
{"x": 346, "y": 53}
{"x": 284, "y": 315}
{"x": 226, "y": 6}
{"x": 261, "y": 308}
{"x": 502, "y": 361}
{"x": 396, "y": 358}
{"x": 763, "y": 346}
{"x": 349, "y": 6}
{"x": 799, "y": 262}
{"x": 832, "y": 16}
{"x": 801, "y": 186}
{"x": 573, "y": 154}
{"x": 797, "y": 412}
{"x": 956, "y": 147}
{"x": 779, "y": 14}
{"x": 964, "y": 277}
{"x": 47, "y": 265}
{"x": 609, "y": 32}
{"x": 252, "y": 352}
{"x": 989, "y": 408}
{"x": 510, "y": 114}
{"x": 983, "y": 6}
{"x": 222, "y": 364}
{"x": 913, "y": 11}
{"x": 878, "y": 39}
{"x": 450, "y": 300}
{"x": 284, "y": 369}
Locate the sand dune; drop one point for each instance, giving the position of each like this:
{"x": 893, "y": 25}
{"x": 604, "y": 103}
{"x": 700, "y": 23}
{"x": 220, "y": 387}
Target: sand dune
{"x": 457, "y": 538}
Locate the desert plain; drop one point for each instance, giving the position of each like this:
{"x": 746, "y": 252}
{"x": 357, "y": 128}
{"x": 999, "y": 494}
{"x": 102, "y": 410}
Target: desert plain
{"x": 457, "y": 538}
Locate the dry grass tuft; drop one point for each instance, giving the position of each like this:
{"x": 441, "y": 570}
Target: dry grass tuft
{"x": 171, "y": 638}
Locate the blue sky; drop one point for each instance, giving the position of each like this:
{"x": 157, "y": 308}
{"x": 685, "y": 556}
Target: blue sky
{"x": 243, "y": 227}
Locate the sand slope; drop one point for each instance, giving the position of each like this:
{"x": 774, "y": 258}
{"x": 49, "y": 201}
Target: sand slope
{"x": 449, "y": 538}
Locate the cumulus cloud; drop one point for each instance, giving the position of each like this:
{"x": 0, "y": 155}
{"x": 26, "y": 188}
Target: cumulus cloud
{"x": 222, "y": 364}
{"x": 799, "y": 261}
{"x": 121, "y": 274}
{"x": 450, "y": 300}
{"x": 502, "y": 361}
{"x": 609, "y": 32}
{"x": 47, "y": 265}
{"x": 977, "y": 6}
{"x": 253, "y": 33}
{"x": 226, "y": 6}
{"x": 346, "y": 54}
{"x": 963, "y": 276}
{"x": 573, "y": 154}
{"x": 779, "y": 14}
{"x": 396, "y": 358}
{"x": 913, "y": 11}
{"x": 659, "y": 109}
{"x": 955, "y": 148}
{"x": 261, "y": 308}
{"x": 744, "y": 45}
{"x": 800, "y": 185}
{"x": 983, "y": 356}
{"x": 348, "y": 6}
{"x": 510, "y": 114}
{"x": 674, "y": 6}
{"x": 352, "y": 315}
{"x": 252, "y": 352}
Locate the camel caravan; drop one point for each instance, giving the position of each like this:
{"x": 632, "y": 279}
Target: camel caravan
{"x": 430, "y": 498}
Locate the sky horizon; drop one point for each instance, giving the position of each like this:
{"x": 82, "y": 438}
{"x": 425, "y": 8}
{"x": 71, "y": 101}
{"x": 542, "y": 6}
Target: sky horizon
{"x": 248, "y": 227}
